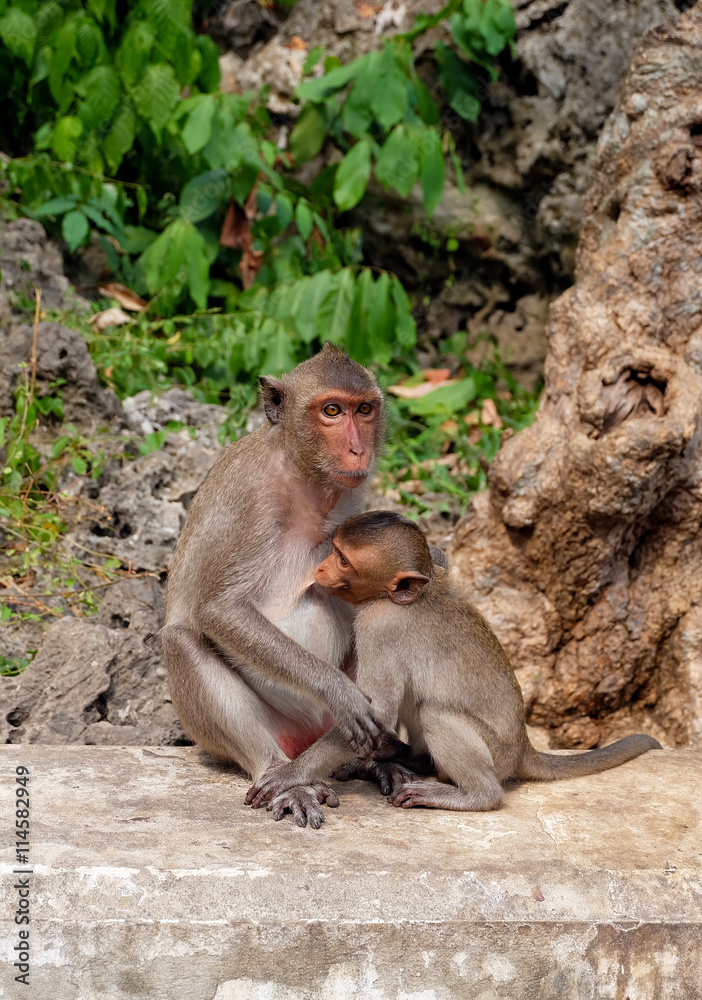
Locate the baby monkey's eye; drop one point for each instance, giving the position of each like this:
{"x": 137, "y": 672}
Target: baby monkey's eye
{"x": 365, "y": 408}
{"x": 343, "y": 560}
{"x": 332, "y": 410}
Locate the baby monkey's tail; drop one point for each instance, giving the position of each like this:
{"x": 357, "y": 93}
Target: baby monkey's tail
{"x": 549, "y": 767}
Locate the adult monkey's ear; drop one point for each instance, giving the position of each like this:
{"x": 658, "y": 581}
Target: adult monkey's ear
{"x": 405, "y": 587}
{"x": 273, "y": 396}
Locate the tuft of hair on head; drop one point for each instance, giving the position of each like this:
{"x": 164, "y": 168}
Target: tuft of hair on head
{"x": 404, "y": 545}
{"x": 331, "y": 369}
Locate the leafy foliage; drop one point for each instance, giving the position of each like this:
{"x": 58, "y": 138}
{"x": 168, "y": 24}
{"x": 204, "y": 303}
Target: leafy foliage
{"x": 201, "y": 195}
{"x": 118, "y": 128}
{"x": 442, "y": 442}
{"x": 36, "y": 503}
{"x": 13, "y": 667}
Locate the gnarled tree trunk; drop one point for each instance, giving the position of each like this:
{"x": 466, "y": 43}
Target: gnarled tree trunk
{"x": 586, "y": 554}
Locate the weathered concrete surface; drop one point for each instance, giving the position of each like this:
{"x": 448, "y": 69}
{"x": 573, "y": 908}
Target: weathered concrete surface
{"x": 153, "y": 880}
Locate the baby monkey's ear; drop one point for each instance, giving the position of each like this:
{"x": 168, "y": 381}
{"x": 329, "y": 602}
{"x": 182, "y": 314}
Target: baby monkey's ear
{"x": 405, "y": 587}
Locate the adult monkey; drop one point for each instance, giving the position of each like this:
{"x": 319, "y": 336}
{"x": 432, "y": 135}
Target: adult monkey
{"x": 256, "y": 656}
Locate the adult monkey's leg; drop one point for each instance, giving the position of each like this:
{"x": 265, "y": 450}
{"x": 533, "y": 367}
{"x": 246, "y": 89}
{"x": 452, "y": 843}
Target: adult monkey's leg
{"x": 217, "y": 708}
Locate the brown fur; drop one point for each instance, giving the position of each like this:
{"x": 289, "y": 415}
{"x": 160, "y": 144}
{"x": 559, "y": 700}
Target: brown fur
{"x": 256, "y": 657}
{"x": 431, "y": 662}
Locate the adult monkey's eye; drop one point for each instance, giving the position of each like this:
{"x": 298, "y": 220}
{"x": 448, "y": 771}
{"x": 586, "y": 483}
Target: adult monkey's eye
{"x": 332, "y": 410}
{"x": 365, "y": 408}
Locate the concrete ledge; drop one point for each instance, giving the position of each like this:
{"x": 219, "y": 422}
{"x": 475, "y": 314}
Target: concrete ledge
{"x": 151, "y": 879}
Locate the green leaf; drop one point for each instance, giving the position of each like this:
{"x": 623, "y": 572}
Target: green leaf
{"x": 63, "y": 140}
{"x": 307, "y": 138}
{"x": 209, "y": 76}
{"x": 198, "y": 128}
{"x": 133, "y": 54}
{"x": 88, "y": 39}
{"x": 280, "y": 353}
{"x": 64, "y": 49}
{"x": 428, "y": 111}
{"x": 224, "y": 148}
{"x": 56, "y": 206}
{"x": 199, "y": 269}
{"x": 432, "y": 174}
{"x": 176, "y": 258}
{"x": 312, "y": 59}
{"x": 406, "y": 326}
{"x": 362, "y": 320}
{"x": 120, "y": 138}
{"x": 352, "y": 176}
{"x": 381, "y": 321}
{"x": 306, "y": 308}
{"x": 102, "y": 89}
{"x": 445, "y": 401}
{"x": 59, "y": 445}
{"x": 80, "y": 466}
{"x": 135, "y": 239}
{"x": 157, "y": 95}
{"x": 330, "y": 83}
{"x": 180, "y": 50}
{"x": 243, "y": 182}
{"x": 142, "y": 201}
{"x": 42, "y": 65}
{"x": 389, "y": 98}
{"x": 75, "y": 228}
{"x": 459, "y": 82}
{"x": 95, "y": 215}
{"x": 284, "y": 209}
{"x": 19, "y": 33}
{"x": 161, "y": 261}
{"x": 98, "y": 7}
{"x": 357, "y": 113}
{"x": 399, "y": 161}
{"x": 334, "y": 313}
{"x": 303, "y": 219}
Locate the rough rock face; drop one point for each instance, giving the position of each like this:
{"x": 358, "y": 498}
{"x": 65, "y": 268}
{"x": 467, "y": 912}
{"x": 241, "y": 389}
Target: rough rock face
{"x": 586, "y": 555}
{"x": 96, "y": 682}
{"x": 526, "y": 162}
{"x": 577, "y": 54}
{"x": 28, "y": 258}
{"x": 61, "y": 354}
{"x": 144, "y": 501}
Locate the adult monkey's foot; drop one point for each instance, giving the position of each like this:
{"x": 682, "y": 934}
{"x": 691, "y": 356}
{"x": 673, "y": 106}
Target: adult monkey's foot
{"x": 305, "y": 803}
{"x": 276, "y": 779}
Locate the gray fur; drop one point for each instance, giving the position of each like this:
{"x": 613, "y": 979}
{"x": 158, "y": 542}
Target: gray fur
{"x": 252, "y": 649}
{"x": 436, "y": 667}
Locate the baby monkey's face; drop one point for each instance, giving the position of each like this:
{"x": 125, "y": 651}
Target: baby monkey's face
{"x": 358, "y": 573}
{"x": 350, "y": 573}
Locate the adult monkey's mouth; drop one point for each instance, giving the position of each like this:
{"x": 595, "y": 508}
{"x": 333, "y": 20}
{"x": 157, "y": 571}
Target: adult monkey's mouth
{"x": 352, "y": 473}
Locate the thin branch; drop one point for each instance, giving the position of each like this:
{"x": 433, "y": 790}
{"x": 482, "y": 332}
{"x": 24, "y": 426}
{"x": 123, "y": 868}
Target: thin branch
{"x": 33, "y": 362}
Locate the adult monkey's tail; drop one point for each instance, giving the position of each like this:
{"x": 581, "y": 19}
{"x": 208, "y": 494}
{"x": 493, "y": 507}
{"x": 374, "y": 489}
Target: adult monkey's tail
{"x": 549, "y": 767}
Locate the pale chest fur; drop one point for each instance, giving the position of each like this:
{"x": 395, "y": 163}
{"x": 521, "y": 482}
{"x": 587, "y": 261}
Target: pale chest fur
{"x": 320, "y": 623}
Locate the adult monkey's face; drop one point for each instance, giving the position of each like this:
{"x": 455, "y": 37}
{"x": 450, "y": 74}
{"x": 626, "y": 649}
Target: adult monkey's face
{"x": 330, "y": 410}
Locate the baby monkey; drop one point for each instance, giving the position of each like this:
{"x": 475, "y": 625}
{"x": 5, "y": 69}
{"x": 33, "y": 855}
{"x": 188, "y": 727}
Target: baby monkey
{"x": 431, "y": 662}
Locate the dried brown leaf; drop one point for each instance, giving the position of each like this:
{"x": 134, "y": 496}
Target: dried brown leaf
{"x": 489, "y": 416}
{"x": 109, "y": 317}
{"x": 415, "y": 391}
{"x": 436, "y": 374}
{"x": 125, "y": 296}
